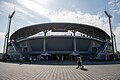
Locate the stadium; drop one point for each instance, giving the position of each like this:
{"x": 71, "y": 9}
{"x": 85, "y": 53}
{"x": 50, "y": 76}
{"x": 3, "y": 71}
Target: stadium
{"x": 91, "y": 42}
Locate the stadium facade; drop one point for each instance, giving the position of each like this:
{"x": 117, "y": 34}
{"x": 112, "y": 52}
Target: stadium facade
{"x": 92, "y": 43}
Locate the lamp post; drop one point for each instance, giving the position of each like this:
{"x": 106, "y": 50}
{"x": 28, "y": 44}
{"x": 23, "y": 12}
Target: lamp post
{"x": 109, "y": 16}
{"x": 115, "y": 42}
{"x": 8, "y": 33}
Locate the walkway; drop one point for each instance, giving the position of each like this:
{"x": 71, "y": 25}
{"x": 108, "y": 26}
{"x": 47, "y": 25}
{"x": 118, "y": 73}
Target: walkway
{"x": 12, "y": 71}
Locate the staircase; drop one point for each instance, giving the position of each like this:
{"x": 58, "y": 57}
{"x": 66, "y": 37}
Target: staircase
{"x": 16, "y": 47}
{"x": 99, "y": 49}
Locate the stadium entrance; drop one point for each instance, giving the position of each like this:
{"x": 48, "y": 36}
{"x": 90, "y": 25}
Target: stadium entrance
{"x": 60, "y": 56}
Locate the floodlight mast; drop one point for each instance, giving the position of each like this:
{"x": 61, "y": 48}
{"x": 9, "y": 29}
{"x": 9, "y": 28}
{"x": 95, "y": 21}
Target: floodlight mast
{"x": 8, "y": 33}
{"x": 115, "y": 42}
{"x": 109, "y": 16}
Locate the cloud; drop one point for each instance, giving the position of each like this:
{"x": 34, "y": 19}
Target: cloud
{"x": 115, "y": 6}
{"x": 8, "y": 7}
{"x": 117, "y": 33}
{"x": 42, "y": 2}
{"x": 34, "y": 7}
{"x": 80, "y": 17}
{"x": 66, "y": 15}
{"x": 2, "y": 36}
{"x": 22, "y": 15}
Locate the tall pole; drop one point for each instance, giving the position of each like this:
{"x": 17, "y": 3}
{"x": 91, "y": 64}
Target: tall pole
{"x": 115, "y": 42}
{"x": 8, "y": 33}
{"x": 109, "y": 16}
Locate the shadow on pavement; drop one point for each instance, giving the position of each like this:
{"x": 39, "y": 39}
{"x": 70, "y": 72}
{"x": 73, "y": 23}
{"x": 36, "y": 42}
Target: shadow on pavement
{"x": 84, "y": 69}
{"x": 53, "y": 62}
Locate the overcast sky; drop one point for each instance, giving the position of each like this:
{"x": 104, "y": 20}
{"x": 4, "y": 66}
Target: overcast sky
{"x": 29, "y": 12}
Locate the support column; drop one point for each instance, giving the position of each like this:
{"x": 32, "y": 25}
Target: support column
{"x": 74, "y": 44}
{"x": 44, "y": 41}
{"x": 44, "y": 45}
{"x": 115, "y": 43}
{"x": 74, "y": 54}
{"x": 74, "y": 40}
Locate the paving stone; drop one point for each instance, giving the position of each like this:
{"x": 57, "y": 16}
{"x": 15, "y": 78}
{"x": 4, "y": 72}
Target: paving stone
{"x": 11, "y": 71}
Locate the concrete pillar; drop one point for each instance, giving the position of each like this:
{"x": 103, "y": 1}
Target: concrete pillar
{"x": 44, "y": 44}
{"x": 74, "y": 44}
{"x": 74, "y": 40}
{"x": 44, "y": 40}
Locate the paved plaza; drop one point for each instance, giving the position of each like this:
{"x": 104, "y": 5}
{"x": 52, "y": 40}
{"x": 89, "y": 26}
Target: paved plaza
{"x": 13, "y": 71}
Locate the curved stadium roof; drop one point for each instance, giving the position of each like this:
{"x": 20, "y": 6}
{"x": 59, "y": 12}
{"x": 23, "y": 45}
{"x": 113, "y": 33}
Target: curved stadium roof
{"x": 34, "y": 29}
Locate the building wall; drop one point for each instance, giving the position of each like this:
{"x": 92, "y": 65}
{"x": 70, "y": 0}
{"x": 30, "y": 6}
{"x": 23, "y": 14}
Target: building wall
{"x": 83, "y": 44}
{"x": 60, "y": 43}
{"x": 36, "y": 44}
{"x": 1, "y": 56}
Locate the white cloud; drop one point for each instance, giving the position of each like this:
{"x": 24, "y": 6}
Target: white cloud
{"x": 2, "y": 36}
{"x": 80, "y": 17}
{"x": 22, "y": 15}
{"x": 115, "y": 6}
{"x": 66, "y": 15}
{"x": 42, "y": 2}
{"x": 117, "y": 33}
{"x": 34, "y": 7}
{"x": 9, "y": 7}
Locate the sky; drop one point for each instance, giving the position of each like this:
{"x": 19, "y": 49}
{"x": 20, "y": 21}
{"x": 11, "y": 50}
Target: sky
{"x": 29, "y": 12}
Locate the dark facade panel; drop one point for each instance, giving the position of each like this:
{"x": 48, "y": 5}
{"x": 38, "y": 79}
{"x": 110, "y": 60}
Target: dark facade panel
{"x": 36, "y": 44}
{"x": 82, "y": 44}
{"x": 59, "y": 44}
